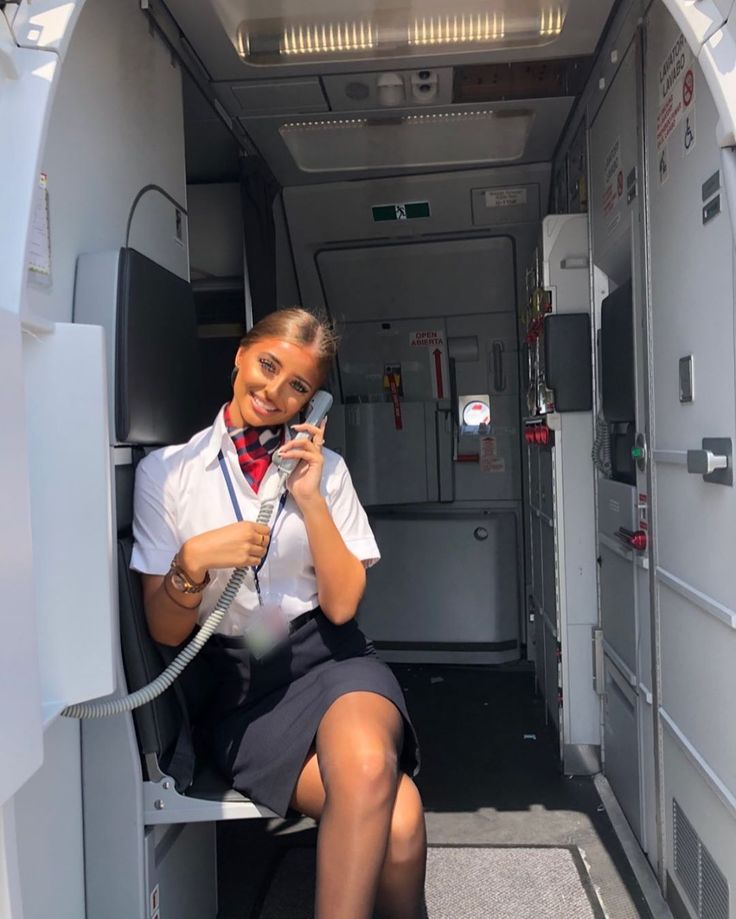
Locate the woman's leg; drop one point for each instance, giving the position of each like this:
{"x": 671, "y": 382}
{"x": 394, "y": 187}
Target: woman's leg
{"x": 350, "y": 785}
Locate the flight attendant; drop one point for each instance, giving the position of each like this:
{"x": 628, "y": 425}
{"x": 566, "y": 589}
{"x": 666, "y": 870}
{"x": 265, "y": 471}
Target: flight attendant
{"x": 318, "y": 724}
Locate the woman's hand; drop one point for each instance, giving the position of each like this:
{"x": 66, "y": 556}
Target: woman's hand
{"x": 236, "y": 545}
{"x": 305, "y": 480}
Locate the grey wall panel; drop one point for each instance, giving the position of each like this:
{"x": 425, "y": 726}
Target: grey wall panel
{"x": 419, "y": 280}
{"x": 618, "y": 605}
{"x": 438, "y": 582}
{"x": 621, "y": 744}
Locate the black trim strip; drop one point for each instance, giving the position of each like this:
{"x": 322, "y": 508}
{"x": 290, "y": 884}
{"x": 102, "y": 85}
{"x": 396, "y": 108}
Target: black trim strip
{"x": 446, "y": 645}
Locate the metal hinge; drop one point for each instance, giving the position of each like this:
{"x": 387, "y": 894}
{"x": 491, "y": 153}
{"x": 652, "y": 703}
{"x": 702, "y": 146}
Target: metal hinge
{"x": 599, "y": 681}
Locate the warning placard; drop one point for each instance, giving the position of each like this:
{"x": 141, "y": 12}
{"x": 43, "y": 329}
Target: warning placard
{"x": 613, "y": 178}
{"x": 505, "y": 197}
{"x": 434, "y": 340}
{"x": 427, "y": 339}
{"x": 676, "y": 89}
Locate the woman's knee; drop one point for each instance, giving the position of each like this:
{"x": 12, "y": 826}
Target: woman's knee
{"x": 407, "y": 836}
{"x": 367, "y": 773}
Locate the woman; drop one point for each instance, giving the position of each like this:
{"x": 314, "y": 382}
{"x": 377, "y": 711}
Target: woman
{"x": 319, "y": 724}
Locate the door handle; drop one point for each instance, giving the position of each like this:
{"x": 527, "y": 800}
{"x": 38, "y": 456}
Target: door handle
{"x": 713, "y": 461}
{"x": 499, "y": 380}
{"x": 634, "y": 540}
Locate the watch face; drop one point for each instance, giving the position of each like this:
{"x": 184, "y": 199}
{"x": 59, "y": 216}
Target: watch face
{"x": 178, "y": 581}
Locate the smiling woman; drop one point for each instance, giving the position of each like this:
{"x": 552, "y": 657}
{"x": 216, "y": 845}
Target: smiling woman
{"x": 318, "y": 723}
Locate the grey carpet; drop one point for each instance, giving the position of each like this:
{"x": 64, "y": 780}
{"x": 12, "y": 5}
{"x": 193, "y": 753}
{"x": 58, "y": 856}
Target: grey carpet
{"x": 463, "y": 882}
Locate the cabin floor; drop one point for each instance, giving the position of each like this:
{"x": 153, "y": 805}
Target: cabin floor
{"x": 490, "y": 776}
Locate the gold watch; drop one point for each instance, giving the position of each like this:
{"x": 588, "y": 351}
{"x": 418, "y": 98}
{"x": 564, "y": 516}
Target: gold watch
{"x": 181, "y": 580}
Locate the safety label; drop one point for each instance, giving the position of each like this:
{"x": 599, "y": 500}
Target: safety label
{"x": 434, "y": 340}
{"x": 505, "y": 197}
{"x": 489, "y": 459}
{"x": 676, "y": 89}
{"x": 613, "y": 178}
{"x": 392, "y": 385}
{"x": 39, "y": 244}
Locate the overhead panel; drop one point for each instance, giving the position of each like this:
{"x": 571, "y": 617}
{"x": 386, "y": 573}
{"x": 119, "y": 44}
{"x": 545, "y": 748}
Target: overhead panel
{"x": 443, "y": 139}
{"x": 360, "y": 29}
{"x": 301, "y": 150}
{"x": 400, "y": 34}
{"x": 280, "y": 96}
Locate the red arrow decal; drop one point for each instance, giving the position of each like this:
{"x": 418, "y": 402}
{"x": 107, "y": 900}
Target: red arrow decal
{"x": 438, "y": 373}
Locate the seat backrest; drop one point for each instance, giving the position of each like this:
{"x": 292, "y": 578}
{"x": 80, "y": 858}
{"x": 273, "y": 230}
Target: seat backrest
{"x": 156, "y": 394}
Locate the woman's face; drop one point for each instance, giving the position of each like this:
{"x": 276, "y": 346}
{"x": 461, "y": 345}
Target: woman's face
{"x": 275, "y": 379}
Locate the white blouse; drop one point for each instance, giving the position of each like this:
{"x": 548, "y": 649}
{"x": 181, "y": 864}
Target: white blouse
{"x": 180, "y": 492}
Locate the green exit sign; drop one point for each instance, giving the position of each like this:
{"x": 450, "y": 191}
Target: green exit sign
{"x": 410, "y": 211}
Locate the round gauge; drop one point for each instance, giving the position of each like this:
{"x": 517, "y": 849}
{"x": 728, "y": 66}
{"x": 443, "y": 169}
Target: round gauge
{"x": 476, "y": 413}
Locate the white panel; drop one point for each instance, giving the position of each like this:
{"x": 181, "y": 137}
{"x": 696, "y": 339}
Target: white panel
{"x": 127, "y": 107}
{"x": 613, "y": 154}
{"x": 48, "y": 813}
{"x": 74, "y": 578}
{"x": 714, "y": 823}
{"x": 698, "y": 651}
{"x": 158, "y": 230}
{"x": 20, "y": 714}
{"x": 23, "y": 109}
{"x": 11, "y": 905}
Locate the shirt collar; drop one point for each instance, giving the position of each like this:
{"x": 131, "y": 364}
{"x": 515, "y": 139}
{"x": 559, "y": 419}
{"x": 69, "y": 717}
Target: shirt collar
{"x": 220, "y": 439}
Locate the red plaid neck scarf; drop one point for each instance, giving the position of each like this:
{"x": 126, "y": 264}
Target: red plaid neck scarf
{"x": 254, "y": 446}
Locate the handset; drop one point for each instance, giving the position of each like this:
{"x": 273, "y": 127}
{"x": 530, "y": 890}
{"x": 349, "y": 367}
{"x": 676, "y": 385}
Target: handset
{"x": 319, "y": 405}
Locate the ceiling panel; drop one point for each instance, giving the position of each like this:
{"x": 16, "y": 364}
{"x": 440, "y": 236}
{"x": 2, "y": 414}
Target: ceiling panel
{"x": 545, "y": 120}
{"x": 207, "y": 24}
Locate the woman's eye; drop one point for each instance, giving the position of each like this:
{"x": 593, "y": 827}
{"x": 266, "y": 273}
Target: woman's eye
{"x": 267, "y": 365}
{"x": 300, "y": 387}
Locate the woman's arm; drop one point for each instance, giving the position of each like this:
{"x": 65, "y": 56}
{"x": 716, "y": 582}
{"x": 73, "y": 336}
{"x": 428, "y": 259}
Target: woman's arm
{"x": 170, "y": 613}
{"x": 340, "y": 575}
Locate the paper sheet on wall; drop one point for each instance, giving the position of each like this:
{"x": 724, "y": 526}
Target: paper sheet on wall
{"x": 39, "y": 244}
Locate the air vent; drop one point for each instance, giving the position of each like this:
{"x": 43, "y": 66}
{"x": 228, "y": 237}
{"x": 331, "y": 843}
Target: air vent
{"x": 701, "y": 879}
{"x": 520, "y": 80}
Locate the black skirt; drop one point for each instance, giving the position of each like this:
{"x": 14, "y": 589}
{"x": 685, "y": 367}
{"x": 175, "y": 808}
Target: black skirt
{"x": 264, "y": 715}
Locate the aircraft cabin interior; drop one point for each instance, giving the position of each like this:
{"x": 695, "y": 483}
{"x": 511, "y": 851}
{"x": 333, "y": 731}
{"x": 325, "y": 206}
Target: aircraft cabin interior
{"x": 519, "y": 216}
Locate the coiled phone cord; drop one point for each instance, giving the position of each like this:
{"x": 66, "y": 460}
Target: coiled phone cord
{"x": 106, "y": 708}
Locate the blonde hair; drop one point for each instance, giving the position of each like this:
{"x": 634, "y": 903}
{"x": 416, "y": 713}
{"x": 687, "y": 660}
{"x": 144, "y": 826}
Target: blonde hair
{"x": 301, "y": 327}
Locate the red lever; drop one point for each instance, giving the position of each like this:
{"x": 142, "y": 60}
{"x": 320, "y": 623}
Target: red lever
{"x": 637, "y": 540}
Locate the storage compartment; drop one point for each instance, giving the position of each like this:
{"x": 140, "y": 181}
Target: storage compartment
{"x": 445, "y": 582}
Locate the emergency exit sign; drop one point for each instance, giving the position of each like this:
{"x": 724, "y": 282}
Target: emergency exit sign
{"x": 409, "y": 211}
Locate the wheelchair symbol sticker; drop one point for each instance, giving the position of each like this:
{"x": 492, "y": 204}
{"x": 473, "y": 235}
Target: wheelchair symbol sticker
{"x": 688, "y": 140}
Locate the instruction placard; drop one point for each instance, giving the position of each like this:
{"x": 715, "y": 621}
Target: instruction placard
{"x": 676, "y": 89}
{"x": 489, "y": 459}
{"x": 39, "y": 244}
{"x": 434, "y": 341}
{"x": 505, "y": 197}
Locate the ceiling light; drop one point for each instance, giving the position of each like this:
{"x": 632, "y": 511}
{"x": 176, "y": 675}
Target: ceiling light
{"x": 551, "y": 21}
{"x": 262, "y": 38}
{"x": 456, "y": 29}
{"x": 328, "y": 37}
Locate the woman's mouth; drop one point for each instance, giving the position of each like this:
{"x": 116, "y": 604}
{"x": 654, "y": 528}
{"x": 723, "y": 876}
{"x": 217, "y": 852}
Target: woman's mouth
{"x": 261, "y": 406}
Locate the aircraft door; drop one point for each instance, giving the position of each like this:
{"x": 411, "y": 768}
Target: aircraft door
{"x": 694, "y": 409}
{"x": 428, "y": 369}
